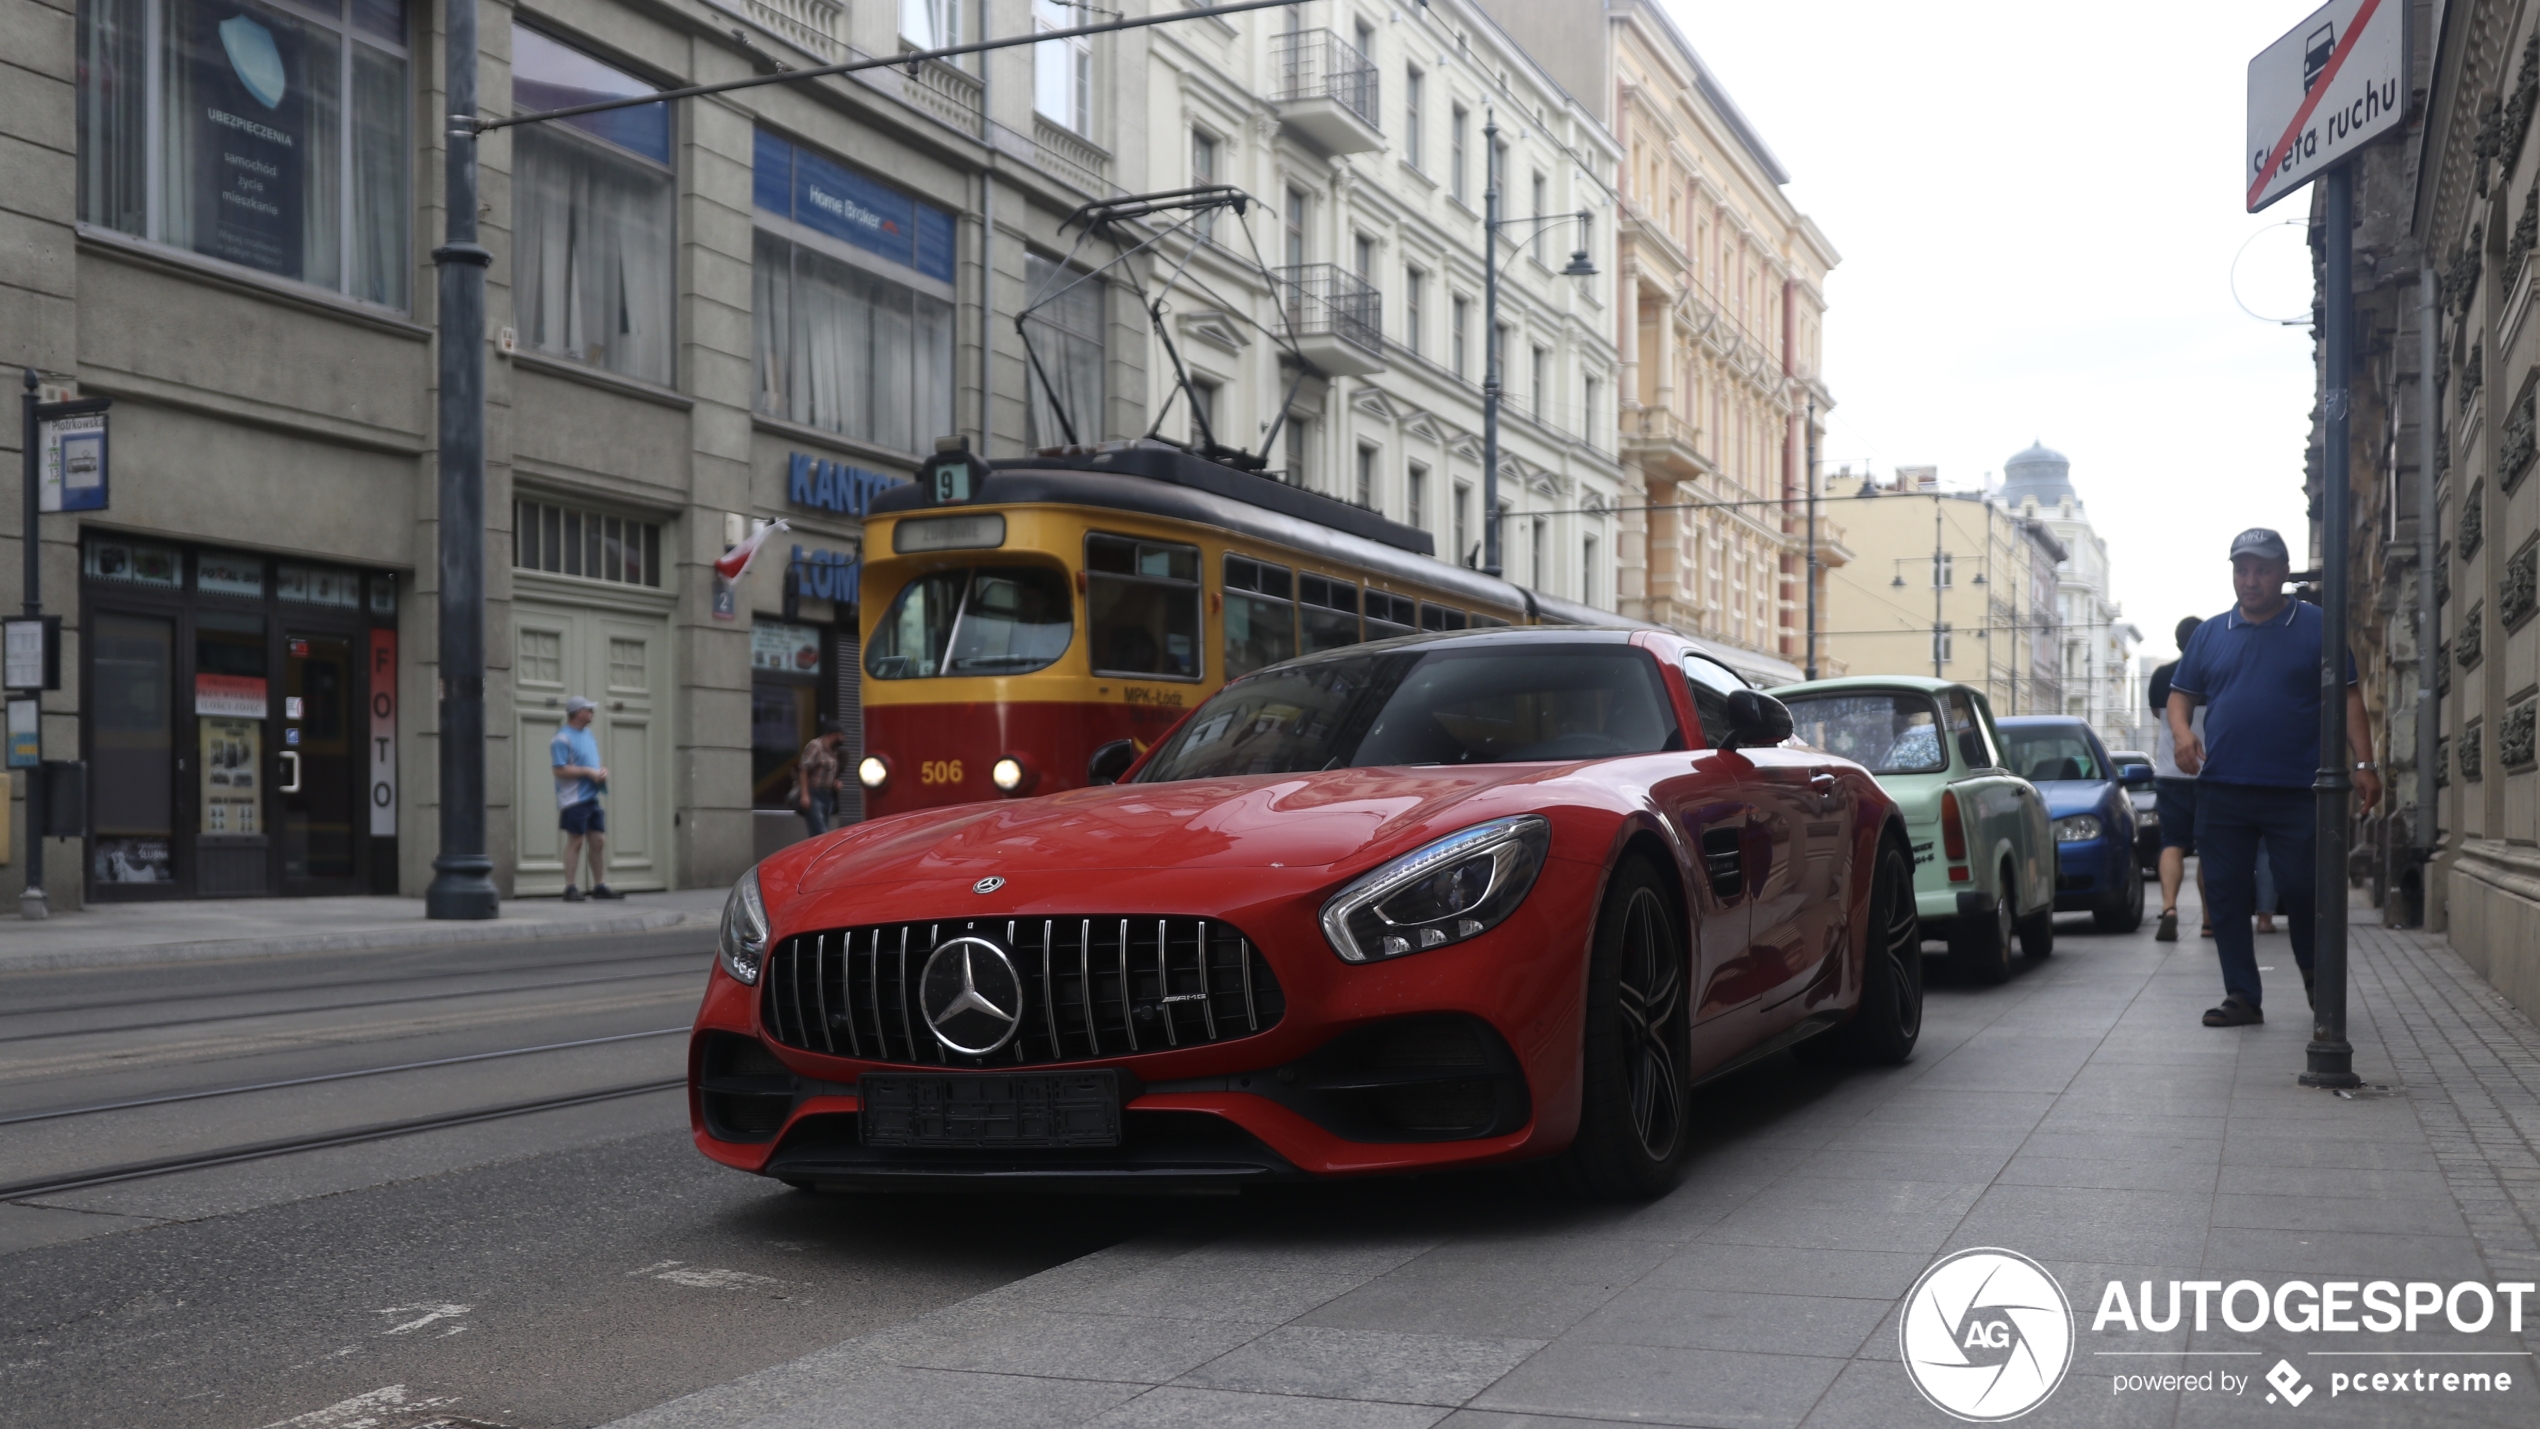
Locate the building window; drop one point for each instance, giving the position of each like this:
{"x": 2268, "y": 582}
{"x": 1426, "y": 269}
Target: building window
{"x": 1363, "y": 251}
{"x": 1365, "y": 36}
{"x": 1540, "y": 190}
{"x": 1540, "y": 372}
{"x": 1204, "y": 171}
{"x": 1203, "y": 407}
{"x": 263, "y": 158}
{"x": 1062, "y": 70}
{"x": 1536, "y": 562}
{"x": 1463, "y": 521}
{"x": 1944, "y": 572}
{"x": 930, "y": 24}
{"x": 1497, "y": 158}
{"x": 1414, "y": 84}
{"x": 1462, "y": 315}
{"x": 1064, "y": 329}
{"x": 591, "y": 215}
{"x": 1367, "y": 477}
{"x": 1415, "y": 285}
{"x": 596, "y": 546}
{"x": 1292, "y": 233}
{"x": 1943, "y": 646}
{"x": 1462, "y": 120}
{"x": 1588, "y": 407}
{"x": 1293, "y": 444}
{"x": 1587, "y": 570}
{"x": 1415, "y": 495}
{"x": 852, "y": 301}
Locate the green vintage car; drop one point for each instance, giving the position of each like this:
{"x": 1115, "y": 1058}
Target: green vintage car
{"x": 1984, "y": 850}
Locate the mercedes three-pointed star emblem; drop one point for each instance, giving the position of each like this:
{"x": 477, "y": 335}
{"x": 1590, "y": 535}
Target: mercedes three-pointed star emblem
{"x": 971, "y": 996}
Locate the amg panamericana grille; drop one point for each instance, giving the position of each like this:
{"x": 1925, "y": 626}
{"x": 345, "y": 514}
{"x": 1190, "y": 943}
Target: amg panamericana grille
{"x": 1102, "y": 986}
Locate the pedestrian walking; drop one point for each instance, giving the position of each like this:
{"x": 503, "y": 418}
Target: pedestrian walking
{"x": 2256, "y": 668}
{"x": 816, "y": 778}
{"x": 2174, "y": 794}
{"x": 580, "y": 778}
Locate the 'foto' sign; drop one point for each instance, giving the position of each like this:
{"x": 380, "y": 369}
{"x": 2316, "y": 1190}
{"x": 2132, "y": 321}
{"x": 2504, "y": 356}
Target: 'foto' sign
{"x": 2334, "y": 83}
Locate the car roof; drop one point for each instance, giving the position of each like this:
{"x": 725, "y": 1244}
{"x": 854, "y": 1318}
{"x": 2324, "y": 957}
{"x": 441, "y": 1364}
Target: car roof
{"x": 1923, "y": 683}
{"x": 1496, "y": 638}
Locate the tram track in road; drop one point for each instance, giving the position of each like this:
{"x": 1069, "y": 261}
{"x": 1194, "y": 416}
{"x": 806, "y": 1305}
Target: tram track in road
{"x": 60, "y": 1183}
{"x": 12, "y": 1039}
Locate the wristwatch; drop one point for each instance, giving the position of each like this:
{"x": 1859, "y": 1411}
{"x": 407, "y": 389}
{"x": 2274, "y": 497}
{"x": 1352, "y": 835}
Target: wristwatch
{"x": 2367, "y": 764}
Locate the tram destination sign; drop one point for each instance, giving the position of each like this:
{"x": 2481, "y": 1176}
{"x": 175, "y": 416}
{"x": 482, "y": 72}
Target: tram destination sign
{"x": 2334, "y": 83}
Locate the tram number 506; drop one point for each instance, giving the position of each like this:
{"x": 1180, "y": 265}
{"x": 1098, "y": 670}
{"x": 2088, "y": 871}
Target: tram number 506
{"x": 939, "y": 771}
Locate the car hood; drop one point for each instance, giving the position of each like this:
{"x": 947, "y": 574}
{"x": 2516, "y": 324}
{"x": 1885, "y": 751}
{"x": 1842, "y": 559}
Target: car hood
{"x": 1256, "y": 821}
{"x": 2074, "y": 796}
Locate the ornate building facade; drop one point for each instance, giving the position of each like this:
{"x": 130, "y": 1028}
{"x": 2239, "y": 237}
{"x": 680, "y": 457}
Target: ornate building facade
{"x": 2100, "y": 683}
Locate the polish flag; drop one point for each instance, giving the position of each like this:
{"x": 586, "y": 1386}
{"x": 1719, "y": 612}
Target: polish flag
{"x": 736, "y": 562}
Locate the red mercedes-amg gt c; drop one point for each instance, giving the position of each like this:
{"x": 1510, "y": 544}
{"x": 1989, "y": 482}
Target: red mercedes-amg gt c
{"x": 1440, "y": 900}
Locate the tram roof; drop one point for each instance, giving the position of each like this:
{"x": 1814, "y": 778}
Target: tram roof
{"x": 1166, "y": 481}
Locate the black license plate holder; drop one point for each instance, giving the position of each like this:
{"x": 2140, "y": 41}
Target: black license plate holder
{"x": 990, "y": 1111}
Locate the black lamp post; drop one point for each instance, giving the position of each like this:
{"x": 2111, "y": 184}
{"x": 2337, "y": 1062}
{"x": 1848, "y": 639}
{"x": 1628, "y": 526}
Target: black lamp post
{"x": 1580, "y": 266}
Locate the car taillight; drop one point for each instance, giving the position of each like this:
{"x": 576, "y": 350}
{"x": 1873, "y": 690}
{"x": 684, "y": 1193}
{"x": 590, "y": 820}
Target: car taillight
{"x": 1953, "y": 830}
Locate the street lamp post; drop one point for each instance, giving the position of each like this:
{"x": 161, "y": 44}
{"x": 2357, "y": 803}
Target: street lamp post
{"x": 1580, "y": 266}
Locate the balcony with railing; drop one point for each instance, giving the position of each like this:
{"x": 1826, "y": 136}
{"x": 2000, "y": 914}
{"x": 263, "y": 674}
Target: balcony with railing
{"x": 1326, "y": 91}
{"x": 812, "y": 26}
{"x": 1337, "y": 316}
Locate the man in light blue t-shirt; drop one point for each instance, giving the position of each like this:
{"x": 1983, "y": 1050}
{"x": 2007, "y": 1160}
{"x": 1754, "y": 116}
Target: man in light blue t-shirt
{"x": 580, "y": 777}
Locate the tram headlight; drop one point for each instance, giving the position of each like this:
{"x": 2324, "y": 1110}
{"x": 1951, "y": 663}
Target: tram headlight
{"x": 1014, "y": 774}
{"x": 874, "y": 773}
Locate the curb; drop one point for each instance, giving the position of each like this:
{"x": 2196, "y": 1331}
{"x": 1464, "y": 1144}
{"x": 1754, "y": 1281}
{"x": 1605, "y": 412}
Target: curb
{"x": 420, "y": 936}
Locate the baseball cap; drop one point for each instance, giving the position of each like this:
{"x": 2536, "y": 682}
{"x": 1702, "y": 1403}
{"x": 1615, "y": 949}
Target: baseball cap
{"x": 2259, "y": 541}
{"x": 576, "y": 704}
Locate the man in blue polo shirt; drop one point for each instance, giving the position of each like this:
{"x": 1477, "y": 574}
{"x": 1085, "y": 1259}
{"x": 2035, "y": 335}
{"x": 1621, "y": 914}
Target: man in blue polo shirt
{"x": 2256, "y": 668}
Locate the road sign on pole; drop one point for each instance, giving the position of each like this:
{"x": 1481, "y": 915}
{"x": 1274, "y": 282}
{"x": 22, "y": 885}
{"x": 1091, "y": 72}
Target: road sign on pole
{"x": 2334, "y": 83}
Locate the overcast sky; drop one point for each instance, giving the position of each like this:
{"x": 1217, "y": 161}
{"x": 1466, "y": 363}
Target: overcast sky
{"x": 2038, "y": 207}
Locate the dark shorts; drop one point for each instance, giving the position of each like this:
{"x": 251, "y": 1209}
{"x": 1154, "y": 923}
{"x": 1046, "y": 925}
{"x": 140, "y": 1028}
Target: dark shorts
{"x": 2176, "y": 801}
{"x": 583, "y": 818}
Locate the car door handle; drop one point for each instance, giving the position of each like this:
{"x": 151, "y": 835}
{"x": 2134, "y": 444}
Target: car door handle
{"x": 1822, "y": 784}
{"x": 294, "y": 786}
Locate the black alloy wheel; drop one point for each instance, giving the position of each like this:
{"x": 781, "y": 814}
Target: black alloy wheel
{"x": 1980, "y": 946}
{"x": 2123, "y": 910}
{"x": 1885, "y": 1025}
{"x": 1635, "y": 1119}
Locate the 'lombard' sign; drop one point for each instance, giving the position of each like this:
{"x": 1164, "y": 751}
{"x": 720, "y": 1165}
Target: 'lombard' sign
{"x": 2334, "y": 83}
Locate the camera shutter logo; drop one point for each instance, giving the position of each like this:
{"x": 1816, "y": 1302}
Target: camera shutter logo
{"x": 1987, "y": 1335}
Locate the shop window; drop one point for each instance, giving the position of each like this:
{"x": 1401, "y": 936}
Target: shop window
{"x": 852, "y": 302}
{"x": 1142, "y": 601}
{"x": 1330, "y": 612}
{"x": 1065, "y": 331}
{"x": 784, "y": 706}
{"x": 316, "y": 585}
{"x": 260, "y": 160}
{"x": 1260, "y": 615}
{"x": 591, "y": 214}
{"x": 594, "y": 545}
{"x": 136, "y": 563}
{"x": 132, "y": 747}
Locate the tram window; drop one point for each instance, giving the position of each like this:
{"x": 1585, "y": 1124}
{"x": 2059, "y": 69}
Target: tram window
{"x": 1390, "y": 615}
{"x": 1260, "y": 617}
{"x": 1142, "y": 604}
{"x": 1487, "y": 622}
{"x": 988, "y": 620}
{"x": 1330, "y": 611}
{"x": 1439, "y": 617}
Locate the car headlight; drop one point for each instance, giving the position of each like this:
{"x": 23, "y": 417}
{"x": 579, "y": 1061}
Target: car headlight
{"x": 2076, "y": 828}
{"x": 1460, "y": 887}
{"x": 742, "y": 944}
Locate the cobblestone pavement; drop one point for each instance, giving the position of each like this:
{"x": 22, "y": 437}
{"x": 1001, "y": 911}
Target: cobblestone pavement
{"x": 2079, "y": 1115}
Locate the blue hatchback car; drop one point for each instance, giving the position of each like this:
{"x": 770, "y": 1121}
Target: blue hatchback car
{"x": 2096, "y": 869}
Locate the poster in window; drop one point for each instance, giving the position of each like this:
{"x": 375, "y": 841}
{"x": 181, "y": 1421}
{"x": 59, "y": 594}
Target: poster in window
{"x": 251, "y": 140}
{"x": 791, "y": 649}
{"x": 233, "y": 753}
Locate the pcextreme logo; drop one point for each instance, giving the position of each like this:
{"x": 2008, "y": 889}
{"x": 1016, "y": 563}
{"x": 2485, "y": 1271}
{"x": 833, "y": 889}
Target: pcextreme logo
{"x": 1987, "y": 1335}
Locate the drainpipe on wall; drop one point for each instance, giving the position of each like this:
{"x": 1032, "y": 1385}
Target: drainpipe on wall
{"x": 2426, "y": 831}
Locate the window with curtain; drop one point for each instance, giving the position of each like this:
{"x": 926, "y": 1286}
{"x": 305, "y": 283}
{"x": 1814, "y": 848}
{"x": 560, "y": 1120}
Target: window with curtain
{"x": 1065, "y": 328}
{"x": 262, "y": 160}
{"x": 1062, "y": 70}
{"x": 592, "y": 237}
{"x": 851, "y": 302}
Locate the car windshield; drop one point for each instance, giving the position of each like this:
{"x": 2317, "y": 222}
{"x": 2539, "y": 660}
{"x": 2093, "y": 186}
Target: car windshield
{"x": 1486, "y": 706}
{"x": 2046, "y": 753}
{"x": 1886, "y": 731}
{"x": 985, "y": 620}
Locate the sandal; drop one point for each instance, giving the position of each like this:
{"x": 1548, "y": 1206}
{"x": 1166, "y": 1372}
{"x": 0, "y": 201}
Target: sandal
{"x": 2169, "y": 928}
{"x": 2233, "y": 1013}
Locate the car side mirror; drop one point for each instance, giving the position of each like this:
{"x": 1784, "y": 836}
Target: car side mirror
{"x": 1110, "y": 762}
{"x": 1755, "y": 719}
{"x": 2136, "y": 776}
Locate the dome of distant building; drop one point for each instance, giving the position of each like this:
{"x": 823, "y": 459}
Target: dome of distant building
{"x": 2039, "y": 472}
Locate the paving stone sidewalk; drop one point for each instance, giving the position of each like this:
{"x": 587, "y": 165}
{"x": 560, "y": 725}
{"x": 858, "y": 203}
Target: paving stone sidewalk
{"x": 2079, "y": 1114}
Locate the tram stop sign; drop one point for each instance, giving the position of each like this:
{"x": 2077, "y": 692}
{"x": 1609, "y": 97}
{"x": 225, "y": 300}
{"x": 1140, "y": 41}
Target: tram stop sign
{"x": 2334, "y": 83}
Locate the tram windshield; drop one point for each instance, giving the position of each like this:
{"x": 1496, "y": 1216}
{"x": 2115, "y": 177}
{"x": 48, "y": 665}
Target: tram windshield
{"x": 983, "y": 620}
{"x": 1435, "y": 707}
